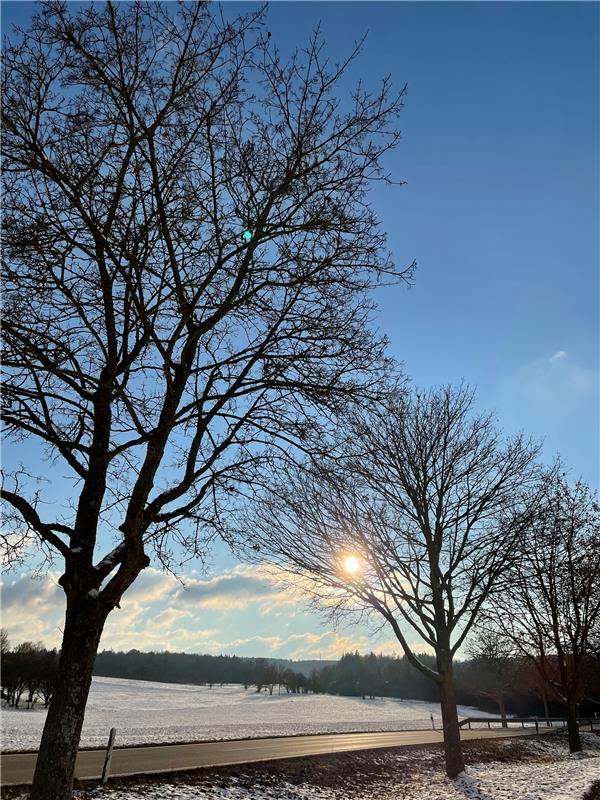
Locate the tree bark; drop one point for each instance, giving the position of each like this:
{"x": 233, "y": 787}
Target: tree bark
{"x": 55, "y": 767}
{"x": 452, "y": 746}
{"x": 573, "y": 728}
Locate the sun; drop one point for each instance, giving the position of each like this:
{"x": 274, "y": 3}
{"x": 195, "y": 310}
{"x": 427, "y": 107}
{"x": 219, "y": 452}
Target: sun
{"x": 351, "y": 564}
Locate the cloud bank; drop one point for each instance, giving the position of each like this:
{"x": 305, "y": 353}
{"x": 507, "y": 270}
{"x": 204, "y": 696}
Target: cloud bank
{"x": 244, "y": 611}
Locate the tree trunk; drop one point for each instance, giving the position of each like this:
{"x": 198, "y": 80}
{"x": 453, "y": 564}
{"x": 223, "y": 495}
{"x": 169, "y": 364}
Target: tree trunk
{"x": 502, "y": 707}
{"x": 55, "y": 767}
{"x": 546, "y": 709}
{"x": 573, "y": 728}
{"x": 452, "y": 746}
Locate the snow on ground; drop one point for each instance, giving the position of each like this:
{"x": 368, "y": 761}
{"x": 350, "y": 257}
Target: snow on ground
{"x": 148, "y": 712}
{"x": 556, "y": 781}
{"x": 525, "y": 769}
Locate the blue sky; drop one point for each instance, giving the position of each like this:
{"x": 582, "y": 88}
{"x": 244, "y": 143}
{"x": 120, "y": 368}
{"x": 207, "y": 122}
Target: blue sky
{"x": 500, "y": 210}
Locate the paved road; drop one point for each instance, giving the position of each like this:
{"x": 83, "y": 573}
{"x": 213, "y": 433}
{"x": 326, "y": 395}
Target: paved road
{"x": 17, "y": 768}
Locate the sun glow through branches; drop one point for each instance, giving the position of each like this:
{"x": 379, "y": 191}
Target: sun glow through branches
{"x": 351, "y": 564}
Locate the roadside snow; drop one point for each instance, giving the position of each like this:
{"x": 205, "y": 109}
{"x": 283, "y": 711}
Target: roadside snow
{"x": 509, "y": 769}
{"x": 553, "y": 776}
{"x": 563, "y": 780}
{"x": 149, "y": 712}
{"x": 483, "y": 782}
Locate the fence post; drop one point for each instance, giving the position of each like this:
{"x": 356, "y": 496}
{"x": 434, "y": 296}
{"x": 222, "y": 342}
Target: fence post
{"x": 537, "y": 727}
{"x": 432, "y": 721}
{"x": 108, "y": 758}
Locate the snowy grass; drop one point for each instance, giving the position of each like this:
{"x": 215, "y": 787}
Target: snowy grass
{"x": 144, "y": 712}
{"x": 556, "y": 781}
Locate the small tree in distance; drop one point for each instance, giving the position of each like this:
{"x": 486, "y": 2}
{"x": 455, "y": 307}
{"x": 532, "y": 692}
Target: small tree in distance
{"x": 493, "y": 663}
{"x": 413, "y": 517}
{"x": 48, "y": 676}
{"x": 31, "y": 668}
{"x": 188, "y": 246}
{"x": 529, "y": 680}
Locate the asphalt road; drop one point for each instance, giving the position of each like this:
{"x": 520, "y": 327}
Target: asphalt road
{"x": 17, "y": 768}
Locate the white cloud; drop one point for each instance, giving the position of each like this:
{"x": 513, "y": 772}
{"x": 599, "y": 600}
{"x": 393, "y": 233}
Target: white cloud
{"x": 151, "y": 613}
{"x": 392, "y": 647}
{"x": 330, "y": 645}
{"x": 167, "y": 617}
{"x": 236, "y": 589}
{"x": 553, "y": 389}
{"x": 560, "y": 355}
{"x": 158, "y": 614}
{"x": 152, "y": 584}
{"x": 33, "y": 609}
{"x": 309, "y": 645}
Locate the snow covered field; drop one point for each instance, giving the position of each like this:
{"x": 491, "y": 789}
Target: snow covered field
{"x": 147, "y": 712}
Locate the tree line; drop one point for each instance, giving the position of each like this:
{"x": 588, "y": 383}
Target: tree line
{"x": 493, "y": 678}
{"x": 504, "y": 684}
{"x": 29, "y": 673}
{"x": 352, "y": 675}
{"x": 168, "y": 667}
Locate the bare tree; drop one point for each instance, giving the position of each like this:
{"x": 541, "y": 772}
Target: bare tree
{"x": 492, "y": 669}
{"x": 413, "y": 518}
{"x": 29, "y": 666}
{"x": 13, "y": 679}
{"x": 48, "y": 671}
{"x": 549, "y": 605}
{"x": 188, "y": 245}
{"x": 528, "y": 680}
{"x": 269, "y": 677}
{"x": 4, "y": 642}
{"x": 21, "y": 672}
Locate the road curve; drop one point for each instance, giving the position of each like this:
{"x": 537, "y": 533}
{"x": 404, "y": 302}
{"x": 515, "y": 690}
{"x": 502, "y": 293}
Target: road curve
{"x": 17, "y": 768}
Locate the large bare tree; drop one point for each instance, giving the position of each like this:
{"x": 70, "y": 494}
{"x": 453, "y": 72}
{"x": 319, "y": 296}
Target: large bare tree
{"x": 549, "y": 605}
{"x": 413, "y": 517}
{"x": 188, "y": 245}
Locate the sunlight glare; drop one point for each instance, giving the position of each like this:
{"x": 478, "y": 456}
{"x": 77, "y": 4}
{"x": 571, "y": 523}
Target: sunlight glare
{"x": 351, "y": 564}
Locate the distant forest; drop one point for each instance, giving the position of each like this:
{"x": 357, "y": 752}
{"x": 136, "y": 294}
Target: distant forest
{"x": 208, "y": 670}
{"x": 353, "y": 675}
{"x": 512, "y": 686}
